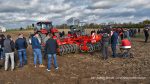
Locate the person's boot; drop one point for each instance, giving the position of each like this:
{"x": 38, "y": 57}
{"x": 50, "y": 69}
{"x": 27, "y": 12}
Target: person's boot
{"x": 41, "y": 66}
{"x": 106, "y": 58}
{"x": 1, "y": 66}
{"x": 113, "y": 56}
{"x": 25, "y": 62}
{"x": 20, "y": 66}
{"x": 103, "y": 58}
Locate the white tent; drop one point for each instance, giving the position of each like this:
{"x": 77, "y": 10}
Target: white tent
{"x": 2, "y": 29}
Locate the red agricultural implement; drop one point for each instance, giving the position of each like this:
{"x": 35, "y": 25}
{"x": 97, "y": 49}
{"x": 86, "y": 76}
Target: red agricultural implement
{"x": 75, "y": 41}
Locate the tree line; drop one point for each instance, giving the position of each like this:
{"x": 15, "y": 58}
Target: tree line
{"x": 97, "y": 26}
{"x": 114, "y": 25}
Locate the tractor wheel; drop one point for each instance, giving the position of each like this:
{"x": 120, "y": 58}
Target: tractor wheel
{"x": 76, "y": 48}
{"x": 60, "y": 51}
{"x": 80, "y": 48}
{"x": 71, "y": 48}
{"x": 68, "y": 48}
{"x": 90, "y": 47}
{"x": 63, "y": 49}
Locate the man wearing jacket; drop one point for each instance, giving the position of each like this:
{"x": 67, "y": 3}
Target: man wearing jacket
{"x": 114, "y": 41}
{"x": 9, "y": 47}
{"x": 146, "y": 33}
{"x": 105, "y": 44}
{"x": 51, "y": 49}
{"x": 2, "y": 46}
{"x": 21, "y": 46}
{"x": 37, "y": 50}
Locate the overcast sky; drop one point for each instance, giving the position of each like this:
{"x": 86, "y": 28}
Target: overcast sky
{"x": 17, "y": 13}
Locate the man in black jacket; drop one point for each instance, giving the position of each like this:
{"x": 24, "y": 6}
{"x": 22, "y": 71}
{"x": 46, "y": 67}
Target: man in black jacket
{"x": 146, "y": 32}
{"x": 21, "y": 46}
{"x": 114, "y": 41}
{"x": 51, "y": 50}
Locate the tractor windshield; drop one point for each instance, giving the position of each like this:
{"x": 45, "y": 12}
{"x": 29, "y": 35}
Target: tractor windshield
{"x": 44, "y": 25}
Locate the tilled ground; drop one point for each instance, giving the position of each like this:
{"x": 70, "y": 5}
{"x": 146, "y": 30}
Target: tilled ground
{"x": 86, "y": 69}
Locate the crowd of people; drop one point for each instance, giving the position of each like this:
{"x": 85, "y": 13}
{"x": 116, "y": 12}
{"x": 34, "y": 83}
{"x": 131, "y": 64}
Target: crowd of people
{"x": 8, "y": 47}
{"x": 114, "y": 37}
{"x": 110, "y": 37}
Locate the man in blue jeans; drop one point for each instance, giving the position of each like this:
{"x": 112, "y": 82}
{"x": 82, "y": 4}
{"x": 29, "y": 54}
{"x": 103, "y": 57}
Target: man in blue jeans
{"x": 2, "y": 38}
{"x": 21, "y": 45}
{"x": 114, "y": 41}
{"x": 37, "y": 50}
{"x": 51, "y": 50}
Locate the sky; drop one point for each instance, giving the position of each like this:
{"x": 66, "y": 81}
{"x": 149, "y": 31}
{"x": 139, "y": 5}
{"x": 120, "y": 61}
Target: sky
{"x": 17, "y": 13}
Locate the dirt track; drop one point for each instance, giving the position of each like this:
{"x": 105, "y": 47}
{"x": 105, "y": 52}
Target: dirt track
{"x": 85, "y": 68}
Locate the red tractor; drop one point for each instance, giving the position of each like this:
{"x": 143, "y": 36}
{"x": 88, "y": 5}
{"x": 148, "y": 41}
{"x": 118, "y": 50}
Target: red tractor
{"x": 65, "y": 44}
{"x": 43, "y": 28}
{"x": 76, "y": 40}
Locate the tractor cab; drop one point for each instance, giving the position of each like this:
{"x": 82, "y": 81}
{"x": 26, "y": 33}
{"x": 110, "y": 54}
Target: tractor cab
{"x": 43, "y": 27}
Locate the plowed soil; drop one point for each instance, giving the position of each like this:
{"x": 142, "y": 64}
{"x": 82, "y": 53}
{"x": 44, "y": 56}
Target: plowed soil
{"x": 85, "y": 68}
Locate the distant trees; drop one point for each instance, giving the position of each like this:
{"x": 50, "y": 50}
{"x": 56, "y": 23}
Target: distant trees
{"x": 62, "y": 26}
{"x": 21, "y": 28}
{"x": 93, "y": 26}
{"x": 96, "y": 26}
{"x": 146, "y": 22}
{"x": 30, "y": 27}
{"x": 131, "y": 25}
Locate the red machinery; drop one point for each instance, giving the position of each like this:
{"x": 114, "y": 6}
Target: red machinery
{"x": 74, "y": 42}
